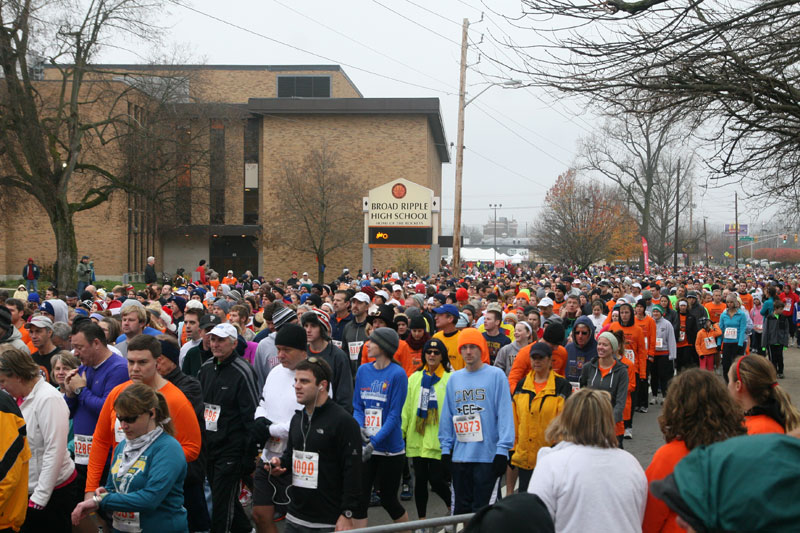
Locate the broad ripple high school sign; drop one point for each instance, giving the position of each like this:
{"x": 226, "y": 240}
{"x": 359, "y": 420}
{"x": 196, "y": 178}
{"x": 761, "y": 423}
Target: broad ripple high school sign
{"x": 400, "y": 214}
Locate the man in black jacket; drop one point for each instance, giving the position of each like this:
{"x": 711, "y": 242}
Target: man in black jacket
{"x": 150, "y": 271}
{"x": 230, "y": 398}
{"x": 324, "y": 453}
{"x": 193, "y": 496}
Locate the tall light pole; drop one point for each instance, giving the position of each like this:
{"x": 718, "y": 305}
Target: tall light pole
{"x": 495, "y": 207}
{"x": 462, "y": 104}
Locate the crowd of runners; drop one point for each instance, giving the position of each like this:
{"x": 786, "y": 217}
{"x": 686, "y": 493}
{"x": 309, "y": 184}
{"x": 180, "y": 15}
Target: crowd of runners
{"x": 234, "y": 403}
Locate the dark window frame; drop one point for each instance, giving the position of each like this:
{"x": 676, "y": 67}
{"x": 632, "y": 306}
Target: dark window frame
{"x": 315, "y": 91}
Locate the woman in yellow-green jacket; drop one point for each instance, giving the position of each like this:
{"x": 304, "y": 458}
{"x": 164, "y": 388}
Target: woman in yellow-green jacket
{"x": 537, "y": 400}
{"x": 426, "y": 388}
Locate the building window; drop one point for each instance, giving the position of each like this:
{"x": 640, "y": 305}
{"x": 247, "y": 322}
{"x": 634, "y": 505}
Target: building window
{"x": 217, "y": 172}
{"x": 251, "y": 151}
{"x": 304, "y": 86}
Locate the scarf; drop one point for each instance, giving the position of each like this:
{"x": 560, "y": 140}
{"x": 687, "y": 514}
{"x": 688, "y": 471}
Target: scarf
{"x": 135, "y": 448}
{"x": 428, "y": 405}
{"x": 416, "y": 345}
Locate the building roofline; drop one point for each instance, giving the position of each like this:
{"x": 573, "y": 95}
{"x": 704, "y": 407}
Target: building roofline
{"x": 359, "y": 106}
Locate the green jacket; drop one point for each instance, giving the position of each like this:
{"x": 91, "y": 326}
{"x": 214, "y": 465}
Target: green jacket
{"x": 84, "y": 272}
{"x": 422, "y": 445}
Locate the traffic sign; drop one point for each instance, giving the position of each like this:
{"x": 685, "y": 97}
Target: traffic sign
{"x": 746, "y": 238}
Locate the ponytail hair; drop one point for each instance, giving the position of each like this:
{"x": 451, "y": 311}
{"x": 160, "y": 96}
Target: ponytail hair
{"x": 761, "y": 381}
{"x": 138, "y": 398}
{"x": 620, "y": 341}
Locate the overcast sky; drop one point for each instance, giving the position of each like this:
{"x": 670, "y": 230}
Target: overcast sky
{"x": 517, "y": 140}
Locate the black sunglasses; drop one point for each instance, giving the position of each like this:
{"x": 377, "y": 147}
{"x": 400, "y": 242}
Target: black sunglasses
{"x": 129, "y": 419}
{"x": 437, "y": 352}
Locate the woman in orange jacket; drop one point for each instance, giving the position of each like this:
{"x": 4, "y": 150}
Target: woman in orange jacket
{"x": 697, "y": 412}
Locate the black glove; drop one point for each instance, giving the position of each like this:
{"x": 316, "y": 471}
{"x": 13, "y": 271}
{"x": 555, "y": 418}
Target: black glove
{"x": 447, "y": 460}
{"x": 499, "y": 465}
{"x": 262, "y": 430}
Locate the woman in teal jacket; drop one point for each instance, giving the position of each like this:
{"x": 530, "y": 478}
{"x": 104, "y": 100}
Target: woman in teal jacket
{"x": 426, "y": 388}
{"x": 145, "y": 483}
{"x": 733, "y": 323}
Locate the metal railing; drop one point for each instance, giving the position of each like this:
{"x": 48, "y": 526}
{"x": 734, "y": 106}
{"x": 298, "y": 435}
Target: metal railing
{"x": 433, "y": 523}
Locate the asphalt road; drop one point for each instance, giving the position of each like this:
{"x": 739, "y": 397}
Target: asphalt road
{"x": 647, "y": 438}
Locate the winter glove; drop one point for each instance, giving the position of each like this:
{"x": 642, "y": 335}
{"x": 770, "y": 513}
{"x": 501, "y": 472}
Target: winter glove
{"x": 364, "y": 436}
{"x": 447, "y": 460}
{"x": 366, "y": 452}
{"x": 262, "y": 430}
{"x": 499, "y": 465}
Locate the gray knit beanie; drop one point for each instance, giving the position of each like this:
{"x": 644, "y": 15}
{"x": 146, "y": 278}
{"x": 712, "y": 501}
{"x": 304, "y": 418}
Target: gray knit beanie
{"x": 387, "y": 339}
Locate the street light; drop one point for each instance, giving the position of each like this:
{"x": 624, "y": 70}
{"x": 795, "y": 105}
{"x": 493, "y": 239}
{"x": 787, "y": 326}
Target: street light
{"x": 462, "y": 104}
{"x": 495, "y": 207}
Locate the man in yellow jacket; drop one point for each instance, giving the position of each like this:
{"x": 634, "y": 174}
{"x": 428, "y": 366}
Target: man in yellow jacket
{"x": 14, "y": 466}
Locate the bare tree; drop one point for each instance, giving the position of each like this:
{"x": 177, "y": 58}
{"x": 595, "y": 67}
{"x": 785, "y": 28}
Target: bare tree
{"x": 67, "y": 141}
{"x": 577, "y": 221}
{"x": 319, "y": 216}
{"x": 728, "y": 65}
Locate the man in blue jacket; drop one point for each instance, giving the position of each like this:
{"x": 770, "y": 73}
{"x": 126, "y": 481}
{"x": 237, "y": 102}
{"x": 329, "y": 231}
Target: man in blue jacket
{"x": 30, "y": 273}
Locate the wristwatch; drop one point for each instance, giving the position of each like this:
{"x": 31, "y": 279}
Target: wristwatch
{"x": 97, "y": 499}
{"x": 79, "y": 390}
{"x": 347, "y": 513}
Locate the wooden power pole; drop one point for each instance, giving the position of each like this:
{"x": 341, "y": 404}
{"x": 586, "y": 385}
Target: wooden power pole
{"x": 677, "y": 214}
{"x": 462, "y": 88}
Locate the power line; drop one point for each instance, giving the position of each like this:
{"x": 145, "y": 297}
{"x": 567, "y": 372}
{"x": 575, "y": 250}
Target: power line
{"x": 417, "y": 23}
{"x": 368, "y": 47}
{"x": 500, "y": 165}
{"x": 434, "y": 13}
{"x": 326, "y": 58}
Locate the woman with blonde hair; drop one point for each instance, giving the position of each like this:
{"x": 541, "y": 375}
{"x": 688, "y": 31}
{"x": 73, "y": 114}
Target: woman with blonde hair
{"x": 586, "y": 481}
{"x": 753, "y": 384}
{"x": 145, "y": 484}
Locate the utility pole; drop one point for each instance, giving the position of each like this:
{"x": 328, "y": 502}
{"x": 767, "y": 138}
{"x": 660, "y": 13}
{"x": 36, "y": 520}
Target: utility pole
{"x": 462, "y": 87}
{"x": 495, "y": 207}
{"x": 705, "y": 238}
{"x": 677, "y": 214}
{"x": 691, "y": 230}
{"x": 736, "y": 235}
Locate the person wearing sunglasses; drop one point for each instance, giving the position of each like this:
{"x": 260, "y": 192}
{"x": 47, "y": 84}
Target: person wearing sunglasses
{"x": 426, "y": 388}
{"x": 144, "y": 491}
{"x": 380, "y": 393}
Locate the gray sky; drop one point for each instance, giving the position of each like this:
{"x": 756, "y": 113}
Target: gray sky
{"x": 517, "y": 140}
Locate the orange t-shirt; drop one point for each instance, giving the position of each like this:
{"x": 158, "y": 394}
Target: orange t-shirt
{"x": 757, "y": 424}
{"x": 604, "y": 371}
{"x": 634, "y": 342}
{"x": 658, "y": 518}
{"x": 747, "y": 300}
{"x": 557, "y": 306}
{"x": 648, "y": 327}
{"x": 184, "y": 418}
{"x": 715, "y": 310}
{"x": 229, "y": 281}
{"x": 522, "y": 364}
{"x": 539, "y": 387}
{"x": 402, "y": 355}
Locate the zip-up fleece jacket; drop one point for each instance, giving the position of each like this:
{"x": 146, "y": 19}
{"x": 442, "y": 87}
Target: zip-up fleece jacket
{"x": 615, "y": 382}
{"x": 532, "y": 414}
{"x": 666, "y": 332}
{"x": 354, "y": 336}
{"x": 739, "y": 322}
{"x": 702, "y": 335}
{"x": 334, "y": 435}
{"x": 231, "y": 384}
{"x": 427, "y": 444}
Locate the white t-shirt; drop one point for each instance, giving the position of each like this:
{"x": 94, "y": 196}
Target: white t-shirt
{"x": 590, "y": 489}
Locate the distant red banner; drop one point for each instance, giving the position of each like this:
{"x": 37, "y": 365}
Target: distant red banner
{"x": 646, "y": 257}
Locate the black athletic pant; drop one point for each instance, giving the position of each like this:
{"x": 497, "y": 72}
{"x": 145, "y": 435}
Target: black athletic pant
{"x": 755, "y": 343}
{"x": 429, "y": 471}
{"x": 642, "y": 387}
{"x": 55, "y": 517}
{"x": 730, "y": 351}
{"x": 387, "y": 469}
{"x": 662, "y": 372}
{"x": 775, "y": 352}
{"x": 685, "y": 358}
{"x": 227, "y": 514}
{"x": 524, "y": 480}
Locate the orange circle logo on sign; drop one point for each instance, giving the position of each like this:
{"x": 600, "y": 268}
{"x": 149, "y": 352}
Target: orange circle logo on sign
{"x": 399, "y": 191}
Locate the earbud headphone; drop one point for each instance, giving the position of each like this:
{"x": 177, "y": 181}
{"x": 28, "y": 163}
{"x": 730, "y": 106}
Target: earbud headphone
{"x": 320, "y": 387}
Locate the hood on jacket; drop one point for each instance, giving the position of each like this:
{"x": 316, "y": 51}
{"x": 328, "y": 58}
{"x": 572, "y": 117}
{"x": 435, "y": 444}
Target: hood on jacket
{"x": 61, "y": 310}
{"x": 591, "y": 346}
{"x": 12, "y": 334}
{"x": 473, "y": 336}
{"x": 632, "y": 320}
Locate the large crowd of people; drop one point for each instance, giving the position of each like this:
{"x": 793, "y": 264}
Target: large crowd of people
{"x": 233, "y": 404}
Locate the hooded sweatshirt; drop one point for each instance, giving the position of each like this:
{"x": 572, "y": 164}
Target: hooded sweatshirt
{"x": 14, "y": 338}
{"x": 665, "y": 339}
{"x": 578, "y": 356}
{"x": 615, "y": 382}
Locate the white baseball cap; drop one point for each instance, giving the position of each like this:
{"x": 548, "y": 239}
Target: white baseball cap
{"x": 362, "y": 297}
{"x": 396, "y": 288}
{"x": 40, "y": 322}
{"x": 383, "y": 294}
{"x": 545, "y": 302}
{"x": 224, "y": 330}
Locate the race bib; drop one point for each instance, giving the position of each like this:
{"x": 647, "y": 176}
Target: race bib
{"x": 126, "y": 521}
{"x": 83, "y": 446}
{"x": 355, "y": 350}
{"x": 659, "y": 343}
{"x": 373, "y": 418}
{"x": 646, "y": 343}
{"x": 468, "y": 428}
{"x": 630, "y": 355}
{"x": 798, "y": 315}
{"x": 682, "y": 336}
{"x": 119, "y": 435}
{"x": 336, "y": 343}
{"x": 305, "y": 469}
{"x": 211, "y": 415}
{"x": 731, "y": 333}
{"x": 710, "y": 343}
{"x": 276, "y": 445}
{"x": 575, "y": 386}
